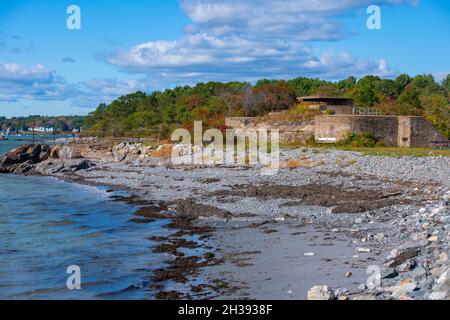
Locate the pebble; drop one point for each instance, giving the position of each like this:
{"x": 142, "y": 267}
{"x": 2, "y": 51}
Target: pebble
{"x": 393, "y": 254}
{"x": 443, "y": 283}
{"x": 379, "y": 237}
{"x": 437, "y": 296}
{"x": 320, "y": 293}
{"x": 407, "y": 266}
{"x": 364, "y": 297}
{"x": 402, "y": 290}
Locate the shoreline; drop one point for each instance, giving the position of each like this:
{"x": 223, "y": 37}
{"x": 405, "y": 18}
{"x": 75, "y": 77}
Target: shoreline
{"x": 254, "y": 229}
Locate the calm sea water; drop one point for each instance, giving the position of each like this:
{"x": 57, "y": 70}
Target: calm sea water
{"x": 47, "y": 225}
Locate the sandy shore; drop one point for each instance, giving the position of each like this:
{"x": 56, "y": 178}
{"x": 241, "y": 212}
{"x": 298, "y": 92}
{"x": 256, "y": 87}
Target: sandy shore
{"x": 323, "y": 222}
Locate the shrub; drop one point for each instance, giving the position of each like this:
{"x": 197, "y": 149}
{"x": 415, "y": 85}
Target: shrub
{"x": 364, "y": 139}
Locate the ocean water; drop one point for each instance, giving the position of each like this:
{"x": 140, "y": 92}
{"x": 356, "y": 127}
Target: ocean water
{"x": 47, "y": 225}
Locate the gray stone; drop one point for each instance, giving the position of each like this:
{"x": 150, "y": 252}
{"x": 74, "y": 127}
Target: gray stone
{"x": 407, "y": 266}
{"x": 320, "y": 293}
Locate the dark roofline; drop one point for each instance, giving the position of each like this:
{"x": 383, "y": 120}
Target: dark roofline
{"x": 322, "y": 98}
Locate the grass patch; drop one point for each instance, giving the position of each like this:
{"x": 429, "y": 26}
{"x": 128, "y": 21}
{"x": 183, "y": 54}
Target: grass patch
{"x": 372, "y": 151}
{"x": 302, "y": 162}
{"x": 363, "y": 140}
{"x": 343, "y": 162}
{"x": 366, "y": 145}
{"x": 396, "y": 152}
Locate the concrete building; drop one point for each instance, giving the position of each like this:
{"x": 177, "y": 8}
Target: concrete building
{"x": 393, "y": 131}
{"x": 326, "y": 104}
{"x": 289, "y": 131}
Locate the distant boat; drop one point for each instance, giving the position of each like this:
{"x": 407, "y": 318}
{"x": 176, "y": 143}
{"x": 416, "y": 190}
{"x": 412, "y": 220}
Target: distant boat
{"x": 3, "y": 137}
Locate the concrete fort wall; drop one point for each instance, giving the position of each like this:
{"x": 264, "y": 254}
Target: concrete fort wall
{"x": 393, "y": 131}
{"x": 335, "y": 128}
{"x": 418, "y": 132}
{"x": 290, "y": 131}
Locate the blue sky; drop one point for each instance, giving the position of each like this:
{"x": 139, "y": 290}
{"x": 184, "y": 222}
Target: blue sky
{"x": 124, "y": 46}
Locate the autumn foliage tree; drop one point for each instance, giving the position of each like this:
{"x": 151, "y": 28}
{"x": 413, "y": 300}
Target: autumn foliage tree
{"x": 211, "y": 102}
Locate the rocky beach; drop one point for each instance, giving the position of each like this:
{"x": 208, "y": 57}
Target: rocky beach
{"x": 329, "y": 225}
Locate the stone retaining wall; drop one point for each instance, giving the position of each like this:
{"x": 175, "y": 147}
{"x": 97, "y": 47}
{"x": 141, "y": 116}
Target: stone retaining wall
{"x": 290, "y": 131}
{"x": 393, "y": 131}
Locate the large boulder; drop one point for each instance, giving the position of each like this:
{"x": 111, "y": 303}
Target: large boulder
{"x": 57, "y": 166}
{"x": 70, "y": 152}
{"x": 130, "y": 151}
{"x": 22, "y": 159}
{"x": 54, "y": 152}
{"x": 24, "y": 167}
{"x": 34, "y": 152}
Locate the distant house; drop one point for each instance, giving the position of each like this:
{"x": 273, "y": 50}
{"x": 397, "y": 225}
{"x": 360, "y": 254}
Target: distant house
{"x": 42, "y": 129}
{"x": 329, "y": 104}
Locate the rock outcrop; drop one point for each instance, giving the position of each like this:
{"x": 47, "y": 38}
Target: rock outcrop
{"x": 43, "y": 159}
{"x": 23, "y": 158}
{"x": 130, "y": 151}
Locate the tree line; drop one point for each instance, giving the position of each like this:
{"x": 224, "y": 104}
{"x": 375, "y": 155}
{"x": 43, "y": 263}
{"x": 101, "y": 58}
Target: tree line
{"x": 59, "y": 124}
{"x": 211, "y": 102}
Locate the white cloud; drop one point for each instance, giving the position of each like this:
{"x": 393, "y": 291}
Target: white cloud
{"x": 237, "y": 40}
{"x": 225, "y": 40}
{"x": 300, "y": 19}
{"x": 34, "y": 83}
{"x": 205, "y": 57}
{"x": 95, "y": 91}
{"x": 20, "y": 82}
{"x": 15, "y": 72}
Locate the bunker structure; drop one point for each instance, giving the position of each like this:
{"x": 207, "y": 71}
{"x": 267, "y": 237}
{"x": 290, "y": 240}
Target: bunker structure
{"x": 345, "y": 119}
{"x": 393, "y": 131}
{"x": 327, "y": 104}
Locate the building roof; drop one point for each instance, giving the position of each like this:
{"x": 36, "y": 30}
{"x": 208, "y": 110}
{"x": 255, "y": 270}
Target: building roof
{"x": 322, "y": 98}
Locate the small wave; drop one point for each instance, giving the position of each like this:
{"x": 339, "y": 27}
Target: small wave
{"x": 57, "y": 223}
{"x": 137, "y": 286}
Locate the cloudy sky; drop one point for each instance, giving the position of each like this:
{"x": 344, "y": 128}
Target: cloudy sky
{"x": 124, "y": 46}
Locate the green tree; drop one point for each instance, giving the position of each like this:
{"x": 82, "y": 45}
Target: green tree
{"x": 347, "y": 84}
{"x": 426, "y": 83}
{"x": 365, "y": 95}
{"x": 410, "y": 96}
{"x": 305, "y": 86}
{"x": 402, "y": 81}
{"x": 446, "y": 83}
{"x": 389, "y": 88}
{"x": 437, "y": 111}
